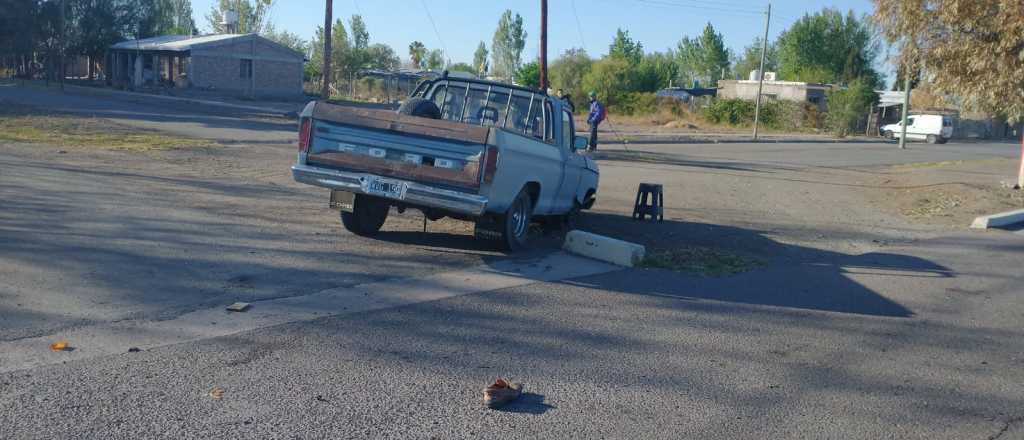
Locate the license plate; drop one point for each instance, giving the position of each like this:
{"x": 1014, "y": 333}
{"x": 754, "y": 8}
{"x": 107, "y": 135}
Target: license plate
{"x": 384, "y": 188}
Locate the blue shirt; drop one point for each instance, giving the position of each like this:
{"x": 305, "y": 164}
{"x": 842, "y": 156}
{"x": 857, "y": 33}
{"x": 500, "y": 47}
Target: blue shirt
{"x": 596, "y": 109}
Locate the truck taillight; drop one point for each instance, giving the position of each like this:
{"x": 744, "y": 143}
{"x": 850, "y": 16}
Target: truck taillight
{"x": 490, "y": 164}
{"x": 304, "y": 133}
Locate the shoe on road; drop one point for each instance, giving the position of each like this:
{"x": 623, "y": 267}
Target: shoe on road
{"x": 501, "y": 392}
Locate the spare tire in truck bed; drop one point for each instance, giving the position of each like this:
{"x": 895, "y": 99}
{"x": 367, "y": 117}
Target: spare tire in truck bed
{"x": 421, "y": 107}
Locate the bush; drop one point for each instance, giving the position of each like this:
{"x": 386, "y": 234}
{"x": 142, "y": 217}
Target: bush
{"x": 776, "y": 115}
{"x": 847, "y": 106}
{"x": 730, "y": 111}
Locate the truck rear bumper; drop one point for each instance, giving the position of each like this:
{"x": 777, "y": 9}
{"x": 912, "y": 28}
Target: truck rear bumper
{"x": 417, "y": 194}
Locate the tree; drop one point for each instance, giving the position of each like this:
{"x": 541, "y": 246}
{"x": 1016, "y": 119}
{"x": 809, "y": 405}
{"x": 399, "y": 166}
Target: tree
{"x": 567, "y": 72}
{"x": 507, "y": 44}
{"x": 462, "y": 67}
{"x": 528, "y": 75}
{"x": 625, "y": 48}
{"x": 704, "y": 58}
{"x": 847, "y": 106}
{"x": 611, "y": 78}
{"x": 971, "y": 50}
{"x": 828, "y": 47}
{"x": 656, "y": 71}
{"x": 750, "y": 60}
{"x": 287, "y": 39}
{"x": 252, "y": 15}
{"x": 434, "y": 60}
{"x": 417, "y": 53}
{"x": 480, "y": 59}
{"x": 383, "y": 57}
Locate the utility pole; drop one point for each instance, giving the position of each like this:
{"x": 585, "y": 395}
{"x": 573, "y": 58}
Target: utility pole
{"x": 544, "y": 45}
{"x": 906, "y": 106}
{"x": 760, "y": 71}
{"x": 63, "y": 43}
{"x": 325, "y": 93}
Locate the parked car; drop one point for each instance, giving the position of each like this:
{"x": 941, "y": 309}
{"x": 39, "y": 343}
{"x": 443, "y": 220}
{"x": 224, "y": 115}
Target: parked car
{"x": 935, "y": 129}
{"x": 476, "y": 150}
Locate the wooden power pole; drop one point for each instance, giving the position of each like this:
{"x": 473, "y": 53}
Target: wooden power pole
{"x": 760, "y": 71}
{"x": 325, "y": 94}
{"x": 544, "y": 45}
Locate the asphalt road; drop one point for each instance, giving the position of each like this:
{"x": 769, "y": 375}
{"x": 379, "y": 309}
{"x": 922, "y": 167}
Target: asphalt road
{"x": 857, "y": 325}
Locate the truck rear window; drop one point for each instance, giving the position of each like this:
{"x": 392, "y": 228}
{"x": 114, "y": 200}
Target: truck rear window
{"x": 480, "y": 104}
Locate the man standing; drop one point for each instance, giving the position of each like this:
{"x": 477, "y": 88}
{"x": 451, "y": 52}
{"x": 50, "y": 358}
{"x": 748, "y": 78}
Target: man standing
{"x": 597, "y": 115}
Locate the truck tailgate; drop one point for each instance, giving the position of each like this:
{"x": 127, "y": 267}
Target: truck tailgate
{"x": 385, "y": 143}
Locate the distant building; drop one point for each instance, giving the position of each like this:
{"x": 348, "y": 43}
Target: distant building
{"x": 774, "y": 89}
{"x": 244, "y": 64}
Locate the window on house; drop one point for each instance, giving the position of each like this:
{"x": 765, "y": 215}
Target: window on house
{"x": 245, "y": 69}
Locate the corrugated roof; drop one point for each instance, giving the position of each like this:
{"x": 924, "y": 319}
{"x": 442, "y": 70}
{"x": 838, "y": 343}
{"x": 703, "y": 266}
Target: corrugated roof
{"x": 177, "y": 43}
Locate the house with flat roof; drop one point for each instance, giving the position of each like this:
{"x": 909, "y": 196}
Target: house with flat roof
{"x": 775, "y": 89}
{"x": 243, "y": 64}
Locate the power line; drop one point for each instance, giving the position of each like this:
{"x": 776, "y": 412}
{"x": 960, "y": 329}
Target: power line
{"x": 579, "y": 27}
{"x": 434, "y": 25}
{"x": 743, "y": 12}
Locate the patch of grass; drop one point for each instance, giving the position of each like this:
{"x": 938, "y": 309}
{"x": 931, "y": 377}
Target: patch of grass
{"x": 26, "y": 125}
{"x": 698, "y": 260}
{"x": 936, "y": 203}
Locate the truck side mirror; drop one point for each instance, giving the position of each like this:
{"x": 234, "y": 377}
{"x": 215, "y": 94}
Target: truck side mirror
{"x": 579, "y": 143}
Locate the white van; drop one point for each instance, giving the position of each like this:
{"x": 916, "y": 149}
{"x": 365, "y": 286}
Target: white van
{"x": 936, "y": 129}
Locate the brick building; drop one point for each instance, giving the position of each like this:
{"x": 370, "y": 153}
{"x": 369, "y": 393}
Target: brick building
{"x": 243, "y": 64}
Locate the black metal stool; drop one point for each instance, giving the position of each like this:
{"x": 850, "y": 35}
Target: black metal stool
{"x": 656, "y": 207}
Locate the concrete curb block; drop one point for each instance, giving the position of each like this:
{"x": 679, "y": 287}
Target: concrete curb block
{"x": 599, "y": 247}
{"x": 996, "y": 220}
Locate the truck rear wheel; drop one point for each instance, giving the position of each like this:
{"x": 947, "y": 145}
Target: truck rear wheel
{"x": 367, "y": 216}
{"x": 515, "y": 224}
{"x": 932, "y": 139}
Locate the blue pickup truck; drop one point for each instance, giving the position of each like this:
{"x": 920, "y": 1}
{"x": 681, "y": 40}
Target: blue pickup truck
{"x": 492, "y": 153}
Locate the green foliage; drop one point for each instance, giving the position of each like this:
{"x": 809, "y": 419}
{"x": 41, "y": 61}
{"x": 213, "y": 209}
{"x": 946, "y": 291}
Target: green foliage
{"x": 507, "y": 44}
{"x": 611, "y": 78}
{"x": 434, "y": 60}
{"x": 287, "y": 39}
{"x": 645, "y": 103}
{"x": 462, "y": 67}
{"x": 567, "y": 72}
{"x": 480, "y": 59}
{"x": 252, "y": 15}
{"x": 750, "y": 60}
{"x": 383, "y": 57}
{"x": 847, "y": 106}
{"x": 828, "y": 47}
{"x": 417, "y": 53}
{"x": 656, "y": 71}
{"x": 729, "y": 111}
{"x": 623, "y": 47}
{"x": 704, "y": 58}
{"x": 528, "y": 75}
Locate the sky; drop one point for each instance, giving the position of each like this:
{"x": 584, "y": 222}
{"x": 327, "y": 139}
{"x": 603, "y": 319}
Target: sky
{"x": 462, "y": 24}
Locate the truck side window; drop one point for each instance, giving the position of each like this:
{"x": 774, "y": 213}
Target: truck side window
{"x": 449, "y": 99}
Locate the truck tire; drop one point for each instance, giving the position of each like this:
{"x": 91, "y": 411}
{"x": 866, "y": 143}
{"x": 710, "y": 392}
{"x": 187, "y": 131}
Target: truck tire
{"x": 515, "y": 224}
{"x": 420, "y": 107}
{"x": 932, "y": 139}
{"x": 889, "y": 135}
{"x": 367, "y": 216}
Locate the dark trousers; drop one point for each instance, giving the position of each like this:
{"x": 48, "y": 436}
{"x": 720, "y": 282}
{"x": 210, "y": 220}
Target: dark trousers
{"x": 593, "y": 137}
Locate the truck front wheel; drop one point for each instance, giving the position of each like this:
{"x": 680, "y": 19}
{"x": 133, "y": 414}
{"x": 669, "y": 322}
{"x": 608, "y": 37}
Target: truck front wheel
{"x": 367, "y": 216}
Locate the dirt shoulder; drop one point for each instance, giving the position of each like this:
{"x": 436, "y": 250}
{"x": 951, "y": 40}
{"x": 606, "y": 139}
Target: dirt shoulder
{"x": 948, "y": 195}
